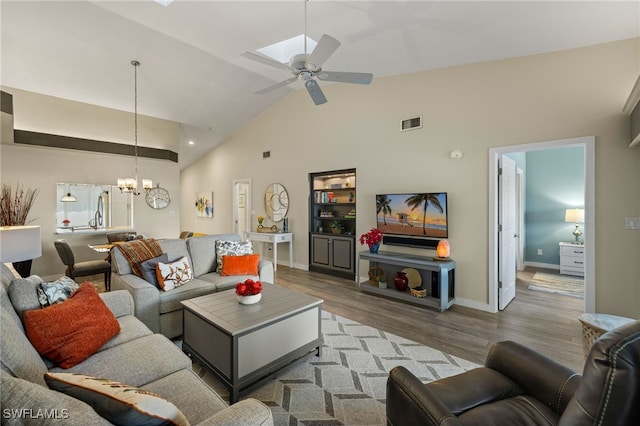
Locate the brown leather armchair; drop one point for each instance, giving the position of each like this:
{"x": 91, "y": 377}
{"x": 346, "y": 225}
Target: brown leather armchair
{"x": 518, "y": 386}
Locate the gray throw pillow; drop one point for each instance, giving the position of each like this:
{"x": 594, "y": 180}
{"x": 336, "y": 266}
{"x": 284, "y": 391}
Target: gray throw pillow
{"x": 50, "y": 293}
{"x": 148, "y": 268}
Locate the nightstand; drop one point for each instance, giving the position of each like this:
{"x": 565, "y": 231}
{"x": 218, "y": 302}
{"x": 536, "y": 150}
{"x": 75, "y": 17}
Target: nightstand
{"x": 572, "y": 259}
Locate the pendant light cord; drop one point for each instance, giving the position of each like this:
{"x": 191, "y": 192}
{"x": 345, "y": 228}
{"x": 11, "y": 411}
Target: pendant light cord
{"x": 135, "y": 64}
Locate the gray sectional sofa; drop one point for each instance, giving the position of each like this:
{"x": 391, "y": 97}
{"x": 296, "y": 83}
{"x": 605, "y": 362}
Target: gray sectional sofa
{"x": 161, "y": 311}
{"x": 135, "y": 356}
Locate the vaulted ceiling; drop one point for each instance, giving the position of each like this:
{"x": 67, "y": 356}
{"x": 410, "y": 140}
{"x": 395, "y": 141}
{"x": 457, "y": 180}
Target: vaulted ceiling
{"x": 192, "y": 71}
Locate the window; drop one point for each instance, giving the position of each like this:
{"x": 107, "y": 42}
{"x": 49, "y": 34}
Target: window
{"x": 98, "y": 207}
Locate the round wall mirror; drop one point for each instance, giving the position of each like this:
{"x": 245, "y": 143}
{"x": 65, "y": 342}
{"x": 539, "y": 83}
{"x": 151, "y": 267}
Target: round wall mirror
{"x": 276, "y": 202}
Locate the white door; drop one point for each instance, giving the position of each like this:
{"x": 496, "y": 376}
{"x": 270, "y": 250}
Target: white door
{"x": 507, "y": 253}
{"x": 241, "y": 206}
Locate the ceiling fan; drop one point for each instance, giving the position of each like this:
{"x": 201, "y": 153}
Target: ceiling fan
{"x": 307, "y": 67}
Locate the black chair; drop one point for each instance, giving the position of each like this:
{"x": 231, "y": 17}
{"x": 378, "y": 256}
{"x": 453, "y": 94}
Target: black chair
{"x": 82, "y": 269}
{"x": 518, "y": 386}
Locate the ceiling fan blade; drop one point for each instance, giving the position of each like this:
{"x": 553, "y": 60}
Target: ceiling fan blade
{"x": 346, "y": 77}
{"x": 276, "y": 86}
{"x": 265, "y": 60}
{"x": 325, "y": 48}
{"x": 314, "y": 90}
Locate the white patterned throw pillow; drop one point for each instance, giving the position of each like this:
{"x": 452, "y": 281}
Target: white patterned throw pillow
{"x": 117, "y": 402}
{"x": 174, "y": 274}
{"x": 231, "y": 248}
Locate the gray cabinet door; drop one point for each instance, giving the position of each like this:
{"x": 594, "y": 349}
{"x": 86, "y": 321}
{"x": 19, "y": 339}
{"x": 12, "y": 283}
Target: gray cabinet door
{"x": 342, "y": 254}
{"x": 320, "y": 254}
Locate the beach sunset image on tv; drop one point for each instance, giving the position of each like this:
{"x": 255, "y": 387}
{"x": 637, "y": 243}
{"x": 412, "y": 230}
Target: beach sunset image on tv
{"x": 423, "y": 215}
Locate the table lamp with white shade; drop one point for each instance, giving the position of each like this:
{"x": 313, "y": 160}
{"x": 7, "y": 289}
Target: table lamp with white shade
{"x": 20, "y": 245}
{"x": 575, "y": 216}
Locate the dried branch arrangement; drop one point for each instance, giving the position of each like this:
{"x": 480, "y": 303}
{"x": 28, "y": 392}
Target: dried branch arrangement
{"x": 15, "y": 207}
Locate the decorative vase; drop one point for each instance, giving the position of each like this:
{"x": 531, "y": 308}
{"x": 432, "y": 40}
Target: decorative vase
{"x": 250, "y": 299}
{"x": 382, "y": 283}
{"x": 373, "y": 248}
{"x": 401, "y": 281}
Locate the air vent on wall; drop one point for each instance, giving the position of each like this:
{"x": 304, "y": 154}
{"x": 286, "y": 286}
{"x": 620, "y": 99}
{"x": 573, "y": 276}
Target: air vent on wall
{"x": 411, "y": 123}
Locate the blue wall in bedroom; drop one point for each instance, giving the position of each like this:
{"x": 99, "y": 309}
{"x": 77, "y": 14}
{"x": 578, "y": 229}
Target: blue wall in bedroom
{"x": 554, "y": 182}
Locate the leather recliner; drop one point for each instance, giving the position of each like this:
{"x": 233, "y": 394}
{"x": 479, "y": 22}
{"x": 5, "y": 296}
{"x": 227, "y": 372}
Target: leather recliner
{"x": 518, "y": 386}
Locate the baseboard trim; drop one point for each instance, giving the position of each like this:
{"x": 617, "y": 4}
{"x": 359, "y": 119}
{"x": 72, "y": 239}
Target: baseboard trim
{"x": 468, "y": 303}
{"x": 542, "y": 265}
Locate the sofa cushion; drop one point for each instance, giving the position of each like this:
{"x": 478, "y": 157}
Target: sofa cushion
{"x": 85, "y": 313}
{"x": 178, "y": 388}
{"x": 240, "y": 265}
{"x": 137, "y": 251}
{"x": 174, "y": 274}
{"x": 19, "y": 358}
{"x": 32, "y": 399}
{"x": 203, "y": 252}
{"x": 224, "y": 283}
{"x": 170, "y": 301}
{"x": 50, "y": 293}
{"x": 131, "y": 328}
{"x": 8, "y": 274}
{"x": 231, "y": 248}
{"x": 7, "y": 307}
{"x": 148, "y": 268}
{"x": 23, "y": 293}
{"x": 117, "y": 402}
{"x": 136, "y": 362}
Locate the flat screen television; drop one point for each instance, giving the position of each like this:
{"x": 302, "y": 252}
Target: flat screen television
{"x": 414, "y": 216}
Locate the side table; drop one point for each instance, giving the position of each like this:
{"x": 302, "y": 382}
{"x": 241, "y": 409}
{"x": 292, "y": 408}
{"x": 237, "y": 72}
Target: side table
{"x": 595, "y": 325}
{"x": 274, "y": 238}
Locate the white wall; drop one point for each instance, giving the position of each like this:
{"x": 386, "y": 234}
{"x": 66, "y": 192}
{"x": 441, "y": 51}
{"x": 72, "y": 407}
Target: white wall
{"x": 42, "y": 168}
{"x": 573, "y": 93}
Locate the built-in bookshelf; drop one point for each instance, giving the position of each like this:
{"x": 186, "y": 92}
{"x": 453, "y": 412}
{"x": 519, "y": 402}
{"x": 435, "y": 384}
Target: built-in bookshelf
{"x": 332, "y": 222}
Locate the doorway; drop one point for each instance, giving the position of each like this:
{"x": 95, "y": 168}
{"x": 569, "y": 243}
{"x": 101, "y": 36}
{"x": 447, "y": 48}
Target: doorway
{"x": 241, "y": 206}
{"x": 588, "y": 144}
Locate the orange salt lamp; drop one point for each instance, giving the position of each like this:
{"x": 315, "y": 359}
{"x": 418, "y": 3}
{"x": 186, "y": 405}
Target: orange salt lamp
{"x": 443, "y": 250}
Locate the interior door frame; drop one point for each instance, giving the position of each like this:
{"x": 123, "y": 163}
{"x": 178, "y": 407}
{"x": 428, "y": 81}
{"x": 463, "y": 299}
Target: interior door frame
{"x": 588, "y": 143}
{"x": 520, "y": 217}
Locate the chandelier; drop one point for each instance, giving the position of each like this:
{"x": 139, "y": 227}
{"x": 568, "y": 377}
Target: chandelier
{"x": 130, "y": 185}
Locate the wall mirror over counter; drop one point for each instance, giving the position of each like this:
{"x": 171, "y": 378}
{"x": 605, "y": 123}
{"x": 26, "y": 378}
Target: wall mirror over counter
{"x": 85, "y": 207}
{"x": 276, "y": 202}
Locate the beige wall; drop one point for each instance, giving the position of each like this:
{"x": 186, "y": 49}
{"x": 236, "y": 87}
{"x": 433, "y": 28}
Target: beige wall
{"x": 42, "y": 168}
{"x": 473, "y": 108}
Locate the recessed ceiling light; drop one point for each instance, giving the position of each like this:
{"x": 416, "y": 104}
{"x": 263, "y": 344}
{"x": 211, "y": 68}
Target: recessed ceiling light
{"x": 284, "y": 50}
{"x": 165, "y": 3}
{"x": 192, "y": 143}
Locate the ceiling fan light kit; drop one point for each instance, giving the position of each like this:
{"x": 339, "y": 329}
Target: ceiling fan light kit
{"x": 307, "y": 67}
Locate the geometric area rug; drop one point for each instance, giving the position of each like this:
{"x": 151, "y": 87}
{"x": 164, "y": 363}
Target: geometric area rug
{"x": 558, "y": 284}
{"x": 347, "y": 384}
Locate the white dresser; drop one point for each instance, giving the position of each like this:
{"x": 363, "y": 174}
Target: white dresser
{"x": 572, "y": 259}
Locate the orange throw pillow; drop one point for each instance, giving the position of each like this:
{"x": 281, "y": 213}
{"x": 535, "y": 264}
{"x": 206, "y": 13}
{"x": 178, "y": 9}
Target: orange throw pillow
{"x": 240, "y": 265}
{"x": 70, "y": 332}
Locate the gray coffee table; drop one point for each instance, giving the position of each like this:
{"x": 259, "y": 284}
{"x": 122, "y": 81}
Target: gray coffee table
{"x": 243, "y": 344}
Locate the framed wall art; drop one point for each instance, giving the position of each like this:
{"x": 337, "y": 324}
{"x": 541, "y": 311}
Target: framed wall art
{"x": 204, "y": 204}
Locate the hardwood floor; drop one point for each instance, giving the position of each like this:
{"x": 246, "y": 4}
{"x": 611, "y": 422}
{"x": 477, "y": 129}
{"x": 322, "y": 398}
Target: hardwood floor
{"x": 545, "y": 322}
